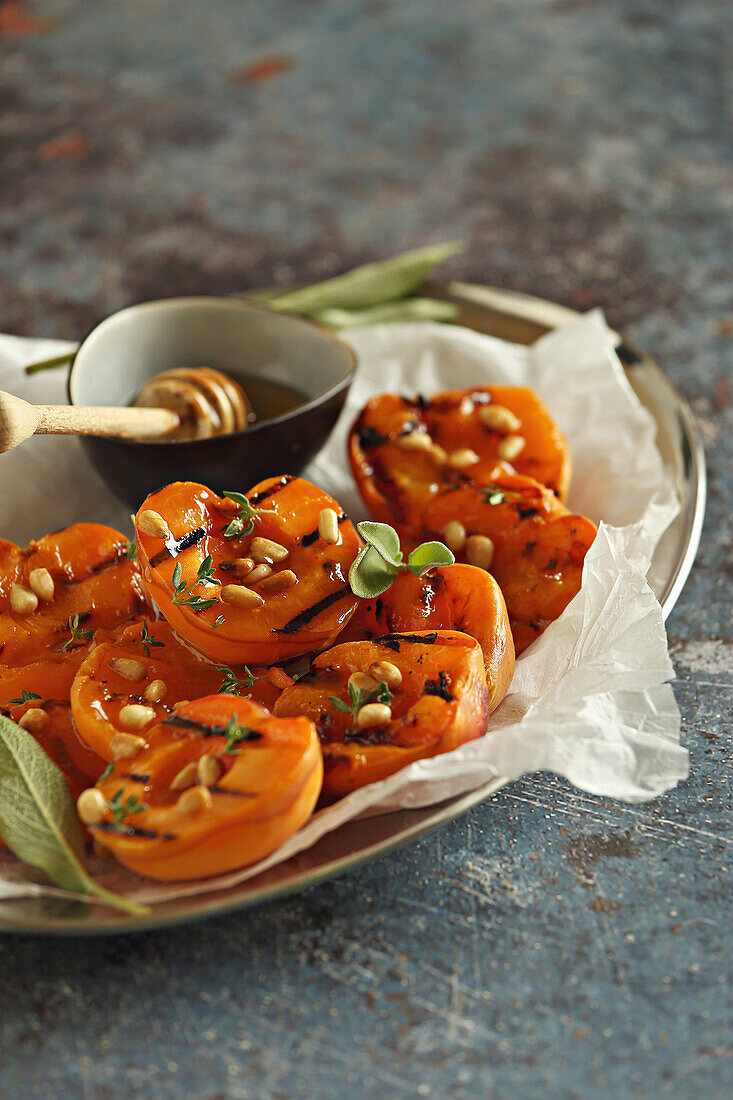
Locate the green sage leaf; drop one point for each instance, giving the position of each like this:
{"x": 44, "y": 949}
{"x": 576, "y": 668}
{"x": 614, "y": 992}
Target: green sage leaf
{"x": 407, "y": 309}
{"x": 384, "y": 539}
{"x": 369, "y": 285}
{"x": 430, "y": 555}
{"x": 38, "y": 819}
{"x": 370, "y": 575}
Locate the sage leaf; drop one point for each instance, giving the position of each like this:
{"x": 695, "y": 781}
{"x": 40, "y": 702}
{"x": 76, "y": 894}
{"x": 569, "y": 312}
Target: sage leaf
{"x": 38, "y": 819}
{"x": 430, "y": 555}
{"x": 368, "y": 285}
{"x": 384, "y": 539}
{"x": 370, "y": 575}
{"x": 407, "y": 309}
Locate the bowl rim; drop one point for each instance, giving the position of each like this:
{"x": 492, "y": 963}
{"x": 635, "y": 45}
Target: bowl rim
{"x": 235, "y": 304}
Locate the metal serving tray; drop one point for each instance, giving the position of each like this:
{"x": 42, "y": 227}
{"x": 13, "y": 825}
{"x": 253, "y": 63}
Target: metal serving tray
{"x": 510, "y": 316}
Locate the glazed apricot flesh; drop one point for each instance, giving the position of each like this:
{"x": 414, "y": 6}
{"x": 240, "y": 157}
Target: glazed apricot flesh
{"x": 441, "y": 702}
{"x": 277, "y": 624}
{"x": 268, "y": 774}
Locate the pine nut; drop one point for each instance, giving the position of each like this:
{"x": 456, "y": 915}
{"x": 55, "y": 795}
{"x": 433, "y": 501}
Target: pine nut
{"x": 500, "y": 419}
{"x": 265, "y": 550}
{"x": 239, "y": 596}
{"x": 479, "y": 551}
{"x": 439, "y": 454}
{"x": 22, "y": 600}
{"x": 459, "y": 460}
{"x": 328, "y": 526}
{"x": 129, "y": 668}
{"x": 152, "y": 523}
{"x": 42, "y": 584}
{"x": 385, "y": 670}
{"x": 34, "y": 720}
{"x": 454, "y": 535}
{"x": 361, "y": 682}
{"x": 91, "y": 806}
{"x": 415, "y": 441}
{"x": 124, "y": 745}
{"x": 278, "y": 582}
{"x": 243, "y": 566}
{"x": 185, "y": 778}
{"x": 466, "y": 406}
{"x": 374, "y": 716}
{"x": 134, "y": 716}
{"x": 510, "y": 447}
{"x": 155, "y": 691}
{"x": 208, "y": 771}
{"x": 194, "y": 800}
{"x": 181, "y": 703}
{"x": 259, "y": 573}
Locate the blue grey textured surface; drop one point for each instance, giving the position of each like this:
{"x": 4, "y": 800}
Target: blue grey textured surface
{"x": 549, "y": 943}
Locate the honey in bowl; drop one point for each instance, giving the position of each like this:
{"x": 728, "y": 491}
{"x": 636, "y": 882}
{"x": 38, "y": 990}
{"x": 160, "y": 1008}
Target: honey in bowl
{"x": 209, "y": 402}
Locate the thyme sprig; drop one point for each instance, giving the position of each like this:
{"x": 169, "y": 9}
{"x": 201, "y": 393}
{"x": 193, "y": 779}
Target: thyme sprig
{"x": 78, "y": 633}
{"x": 183, "y": 596}
{"x": 25, "y": 697}
{"x": 131, "y": 552}
{"x": 243, "y": 523}
{"x": 231, "y": 683}
{"x": 236, "y": 734}
{"x": 147, "y": 640}
{"x": 120, "y": 810}
{"x": 358, "y": 698}
{"x": 494, "y": 494}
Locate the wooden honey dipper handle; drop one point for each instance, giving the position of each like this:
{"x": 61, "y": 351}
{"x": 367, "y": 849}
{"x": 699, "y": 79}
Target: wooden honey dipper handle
{"x": 19, "y": 420}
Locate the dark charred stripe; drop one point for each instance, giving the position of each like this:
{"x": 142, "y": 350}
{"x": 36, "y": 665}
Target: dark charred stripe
{"x": 55, "y": 704}
{"x": 180, "y": 722}
{"x": 137, "y": 777}
{"x": 394, "y": 641}
{"x": 370, "y": 437}
{"x": 378, "y": 608}
{"x": 439, "y": 687}
{"x": 368, "y": 737}
{"x": 216, "y": 789}
{"x": 527, "y": 512}
{"x": 267, "y": 493}
{"x": 313, "y": 612}
{"x": 313, "y": 536}
{"x": 131, "y": 830}
{"x": 98, "y": 567}
{"x": 177, "y": 547}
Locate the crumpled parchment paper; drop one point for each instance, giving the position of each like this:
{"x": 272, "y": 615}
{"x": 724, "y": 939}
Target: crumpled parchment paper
{"x": 590, "y": 700}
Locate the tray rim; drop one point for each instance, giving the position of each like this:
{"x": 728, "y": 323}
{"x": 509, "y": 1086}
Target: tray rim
{"x": 542, "y": 315}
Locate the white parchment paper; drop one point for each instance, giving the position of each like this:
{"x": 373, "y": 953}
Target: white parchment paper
{"x": 590, "y": 700}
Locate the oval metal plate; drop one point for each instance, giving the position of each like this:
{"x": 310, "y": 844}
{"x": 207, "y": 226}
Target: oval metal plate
{"x": 510, "y": 316}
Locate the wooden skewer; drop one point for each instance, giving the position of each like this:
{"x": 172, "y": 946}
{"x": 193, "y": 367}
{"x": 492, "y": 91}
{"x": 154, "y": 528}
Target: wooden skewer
{"x": 19, "y": 420}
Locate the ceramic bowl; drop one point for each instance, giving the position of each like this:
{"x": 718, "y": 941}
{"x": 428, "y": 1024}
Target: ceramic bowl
{"x": 234, "y": 336}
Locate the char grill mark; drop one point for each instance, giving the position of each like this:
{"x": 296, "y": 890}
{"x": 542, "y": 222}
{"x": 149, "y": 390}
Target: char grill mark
{"x": 266, "y": 493}
{"x": 439, "y": 687}
{"x": 181, "y": 544}
{"x": 310, "y": 613}
{"x": 131, "y": 830}
{"x": 370, "y": 437}
{"x": 394, "y": 641}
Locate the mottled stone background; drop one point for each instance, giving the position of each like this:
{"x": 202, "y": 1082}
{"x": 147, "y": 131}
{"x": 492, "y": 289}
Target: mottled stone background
{"x": 549, "y": 943}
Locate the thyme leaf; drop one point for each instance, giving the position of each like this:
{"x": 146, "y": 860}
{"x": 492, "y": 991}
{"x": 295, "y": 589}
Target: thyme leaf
{"x": 236, "y": 734}
{"x": 243, "y": 523}
{"x": 78, "y": 633}
{"x": 25, "y": 697}
{"x": 231, "y": 683}
{"x": 182, "y": 595}
{"x": 358, "y": 698}
{"x": 147, "y": 640}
